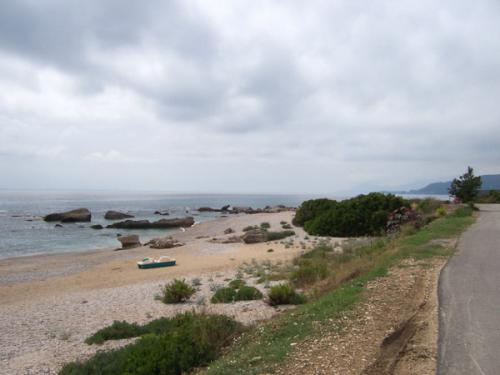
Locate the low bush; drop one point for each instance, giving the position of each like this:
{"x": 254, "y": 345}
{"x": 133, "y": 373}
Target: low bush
{"x": 116, "y": 331}
{"x": 358, "y": 216}
{"x": 250, "y": 227}
{"x": 177, "y": 291}
{"x": 274, "y": 236}
{"x": 309, "y": 271}
{"x": 428, "y": 205}
{"x": 441, "y": 211}
{"x": 286, "y": 226}
{"x": 224, "y": 295}
{"x": 265, "y": 225}
{"x": 194, "y": 341}
{"x": 463, "y": 212}
{"x": 285, "y": 294}
{"x": 248, "y": 293}
{"x": 237, "y": 283}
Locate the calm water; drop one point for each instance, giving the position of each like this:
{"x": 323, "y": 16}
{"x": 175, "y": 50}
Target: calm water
{"x": 22, "y": 232}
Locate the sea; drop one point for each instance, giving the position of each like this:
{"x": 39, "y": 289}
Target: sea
{"x": 23, "y": 231}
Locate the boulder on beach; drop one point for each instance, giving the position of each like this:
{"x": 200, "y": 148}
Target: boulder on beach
{"x": 255, "y": 236}
{"x": 73, "y": 216}
{"x": 164, "y": 243}
{"x": 116, "y": 215}
{"x": 228, "y": 231}
{"x": 97, "y": 226}
{"x": 160, "y": 224}
{"x": 129, "y": 242}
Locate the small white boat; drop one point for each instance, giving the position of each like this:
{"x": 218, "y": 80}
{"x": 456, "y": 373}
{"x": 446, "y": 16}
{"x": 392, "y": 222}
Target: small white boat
{"x": 163, "y": 261}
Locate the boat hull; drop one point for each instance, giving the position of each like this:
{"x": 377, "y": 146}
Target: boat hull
{"x": 157, "y": 265}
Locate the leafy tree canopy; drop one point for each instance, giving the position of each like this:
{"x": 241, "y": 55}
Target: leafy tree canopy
{"x": 466, "y": 187}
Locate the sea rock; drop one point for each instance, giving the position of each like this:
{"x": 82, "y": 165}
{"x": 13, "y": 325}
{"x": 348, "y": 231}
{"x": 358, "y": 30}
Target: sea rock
{"x": 164, "y": 243}
{"x": 78, "y": 215}
{"x": 225, "y": 208}
{"x": 229, "y": 231}
{"x": 116, "y": 215}
{"x": 97, "y": 226}
{"x": 130, "y": 241}
{"x": 58, "y": 226}
{"x": 163, "y": 213}
{"x": 160, "y": 224}
{"x": 255, "y": 236}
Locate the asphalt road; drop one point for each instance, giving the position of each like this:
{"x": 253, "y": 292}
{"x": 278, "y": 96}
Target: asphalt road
{"x": 469, "y": 296}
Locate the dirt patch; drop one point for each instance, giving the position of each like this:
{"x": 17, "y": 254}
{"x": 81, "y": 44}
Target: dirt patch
{"x": 392, "y": 331}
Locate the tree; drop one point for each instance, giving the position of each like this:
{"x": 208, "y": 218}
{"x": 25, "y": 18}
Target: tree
{"x": 466, "y": 187}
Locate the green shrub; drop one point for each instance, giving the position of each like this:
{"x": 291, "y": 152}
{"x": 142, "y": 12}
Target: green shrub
{"x": 286, "y": 226}
{"x": 250, "y": 227}
{"x": 116, "y": 331}
{"x": 463, "y": 212}
{"x": 265, "y": 225}
{"x": 283, "y": 222}
{"x": 274, "y": 236}
{"x": 237, "y": 283}
{"x": 285, "y": 294}
{"x": 358, "y": 216}
{"x": 441, "y": 211}
{"x": 224, "y": 295}
{"x": 177, "y": 291}
{"x": 248, "y": 293}
{"x": 194, "y": 341}
{"x": 310, "y": 271}
{"x": 428, "y": 205}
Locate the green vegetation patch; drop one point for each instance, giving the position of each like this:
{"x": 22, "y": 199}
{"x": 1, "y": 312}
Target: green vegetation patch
{"x": 261, "y": 350}
{"x": 194, "y": 340}
{"x": 364, "y": 215}
{"x": 224, "y": 295}
{"x": 237, "y": 283}
{"x": 285, "y": 294}
{"x": 248, "y": 293}
{"x": 274, "y": 236}
{"x": 177, "y": 291}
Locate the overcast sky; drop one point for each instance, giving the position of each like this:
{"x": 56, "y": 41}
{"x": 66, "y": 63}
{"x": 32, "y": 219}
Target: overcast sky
{"x": 247, "y": 96}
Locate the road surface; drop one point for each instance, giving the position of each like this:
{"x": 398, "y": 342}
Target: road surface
{"x": 469, "y": 296}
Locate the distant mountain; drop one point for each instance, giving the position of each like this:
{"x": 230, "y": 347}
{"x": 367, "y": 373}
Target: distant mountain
{"x": 490, "y": 182}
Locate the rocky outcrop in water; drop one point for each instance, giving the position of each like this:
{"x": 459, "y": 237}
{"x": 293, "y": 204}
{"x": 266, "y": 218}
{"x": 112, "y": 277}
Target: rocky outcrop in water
{"x": 97, "y": 226}
{"x": 129, "y": 242}
{"x": 116, "y": 215}
{"x": 73, "y": 216}
{"x": 160, "y": 224}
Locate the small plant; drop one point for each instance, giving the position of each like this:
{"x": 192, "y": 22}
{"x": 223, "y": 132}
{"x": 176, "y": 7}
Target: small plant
{"x": 248, "y": 293}
{"x": 441, "y": 211}
{"x": 286, "y": 226}
{"x": 273, "y": 236}
{"x": 270, "y": 250}
{"x": 285, "y": 294}
{"x": 250, "y": 227}
{"x": 265, "y": 225}
{"x": 237, "y": 283}
{"x": 196, "y": 281}
{"x": 177, "y": 291}
{"x": 224, "y": 295}
{"x": 310, "y": 271}
{"x": 116, "y": 331}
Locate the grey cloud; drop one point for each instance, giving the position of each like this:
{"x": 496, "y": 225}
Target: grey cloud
{"x": 316, "y": 90}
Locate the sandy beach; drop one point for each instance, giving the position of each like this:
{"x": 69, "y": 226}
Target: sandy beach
{"x": 50, "y": 304}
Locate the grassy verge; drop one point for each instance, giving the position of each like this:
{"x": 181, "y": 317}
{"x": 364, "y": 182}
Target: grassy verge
{"x": 258, "y": 351}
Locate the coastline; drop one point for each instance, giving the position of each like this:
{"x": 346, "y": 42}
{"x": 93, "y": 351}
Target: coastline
{"x": 50, "y": 303}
